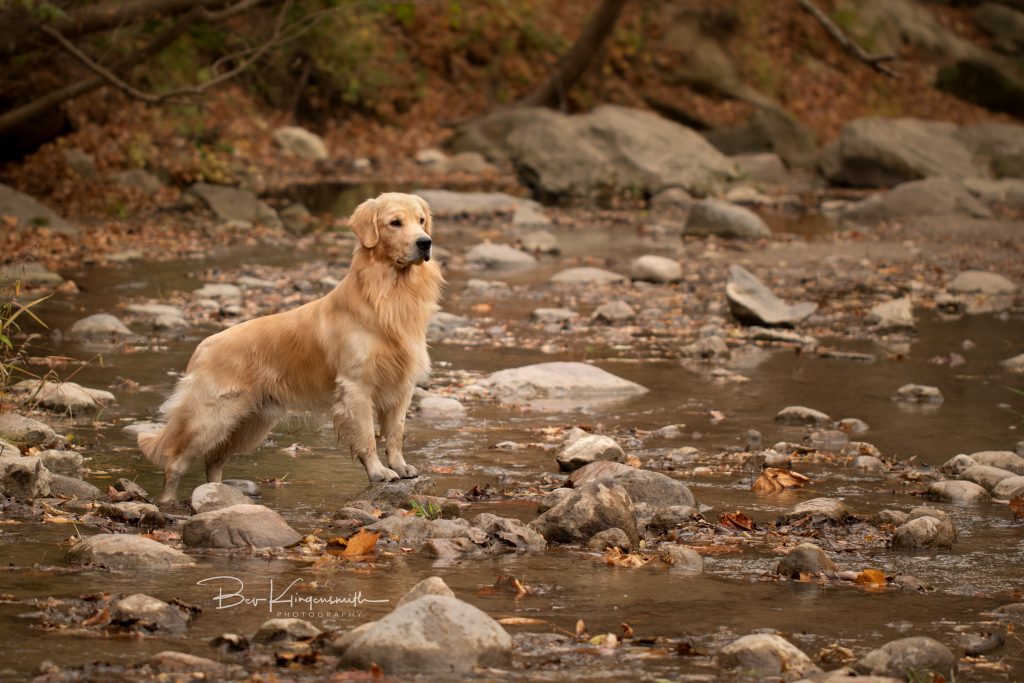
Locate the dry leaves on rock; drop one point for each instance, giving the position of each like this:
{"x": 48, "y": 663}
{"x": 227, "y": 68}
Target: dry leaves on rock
{"x": 362, "y": 542}
{"x": 616, "y": 558}
{"x": 871, "y": 577}
{"x": 774, "y": 480}
{"x": 737, "y": 520}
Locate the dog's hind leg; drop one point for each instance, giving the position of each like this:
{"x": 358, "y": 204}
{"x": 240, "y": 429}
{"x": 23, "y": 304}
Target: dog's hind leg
{"x": 246, "y": 437}
{"x": 353, "y": 420}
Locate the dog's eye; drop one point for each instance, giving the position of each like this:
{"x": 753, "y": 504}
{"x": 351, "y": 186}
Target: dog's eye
{"x": 423, "y": 221}
{"x": 396, "y": 223}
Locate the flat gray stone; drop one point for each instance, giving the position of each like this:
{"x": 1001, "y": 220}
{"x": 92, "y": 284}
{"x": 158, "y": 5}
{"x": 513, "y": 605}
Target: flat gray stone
{"x": 215, "y": 496}
{"x": 578, "y": 383}
{"x": 499, "y": 257}
{"x": 126, "y": 552}
{"x": 653, "y": 268}
{"x": 724, "y": 219}
{"x": 961, "y": 492}
{"x": 238, "y": 526}
{"x": 99, "y": 325}
{"x": 23, "y": 477}
{"x": 587, "y": 275}
{"x": 25, "y": 431}
{"x": 982, "y": 282}
{"x": 31, "y": 213}
{"x": 765, "y": 654}
{"x": 754, "y": 304}
{"x": 916, "y": 656}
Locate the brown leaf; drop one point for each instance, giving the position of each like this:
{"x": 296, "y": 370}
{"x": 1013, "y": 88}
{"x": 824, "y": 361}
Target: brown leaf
{"x": 581, "y": 629}
{"x": 1017, "y": 505}
{"x": 627, "y": 630}
{"x": 773, "y": 480}
{"x": 615, "y": 557}
{"x": 737, "y": 520}
{"x": 871, "y": 577}
{"x": 362, "y": 542}
{"x": 505, "y": 584}
{"x": 101, "y": 618}
{"x": 521, "y": 621}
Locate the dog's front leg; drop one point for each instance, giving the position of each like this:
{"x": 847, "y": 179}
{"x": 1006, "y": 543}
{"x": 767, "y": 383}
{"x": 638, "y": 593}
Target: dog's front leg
{"x": 353, "y": 422}
{"x": 392, "y": 425}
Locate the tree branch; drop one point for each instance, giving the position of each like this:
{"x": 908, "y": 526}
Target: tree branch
{"x": 151, "y": 98}
{"x": 876, "y": 62}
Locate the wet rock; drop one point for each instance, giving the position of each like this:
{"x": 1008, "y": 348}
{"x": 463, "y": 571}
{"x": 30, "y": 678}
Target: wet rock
{"x": 917, "y": 656}
{"x": 31, "y": 213}
{"x": 764, "y": 654}
{"x": 880, "y": 152}
{"x": 819, "y": 510}
{"x": 554, "y": 316}
{"x": 126, "y": 552}
{"x": 613, "y": 312}
{"x": 410, "y": 529}
{"x": 610, "y": 538}
{"x": 754, "y": 304}
{"x": 441, "y": 408}
{"x": 509, "y": 531}
{"x": 539, "y": 242}
{"x": 1007, "y": 460}
{"x": 301, "y": 142}
{"x": 62, "y": 397}
{"x": 806, "y": 558}
{"x": 1008, "y": 488}
{"x": 220, "y": 291}
{"x": 981, "y": 282}
{"x": 238, "y": 526}
{"x": 137, "y": 428}
{"x": 651, "y": 268}
{"x": 97, "y": 326}
{"x": 587, "y": 275}
{"x": 25, "y": 431}
{"x": 917, "y": 393}
{"x": 1014, "y": 364}
{"x": 706, "y": 349}
{"x": 72, "y": 487}
{"x": 670, "y": 198}
{"x": 432, "y": 585}
{"x": 285, "y": 629}
{"x": 499, "y": 257}
{"x": 141, "y": 611}
{"x": 551, "y": 499}
{"x": 853, "y": 425}
{"x": 134, "y": 491}
{"x": 590, "y": 508}
{"x": 868, "y": 463}
{"x": 8, "y": 448}
{"x": 23, "y": 477}
{"x": 803, "y": 416}
{"x": 957, "y": 464}
{"x": 588, "y": 449}
{"x": 171, "y": 662}
{"x": 925, "y": 531}
{"x": 668, "y": 518}
{"x": 960, "y": 492}
{"x": 928, "y": 197}
{"x": 443, "y": 326}
{"x": 681, "y": 559}
{"x": 724, "y": 219}
{"x": 448, "y": 547}
{"x": 434, "y": 633}
{"x": 215, "y": 496}
{"x": 68, "y": 463}
{"x": 893, "y": 316}
{"x": 985, "y": 476}
{"x": 1013, "y": 612}
{"x": 144, "y": 515}
{"x": 161, "y": 316}
{"x": 396, "y": 493}
{"x": 893, "y": 517}
{"x": 579, "y": 382}
{"x": 644, "y": 486}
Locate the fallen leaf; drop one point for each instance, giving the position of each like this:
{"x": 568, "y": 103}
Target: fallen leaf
{"x": 505, "y": 584}
{"x": 627, "y": 630}
{"x": 521, "y": 621}
{"x": 835, "y": 655}
{"x": 737, "y": 520}
{"x": 633, "y": 461}
{"x": 101, "y": 618}
{"x": 871, "y": 577}
{"x": 615, "y": 557}
{"x": 362, "y": 542}
{"x": 773, "y": 480}
{"x": 581, "y": 629}
{"x": 1017, "y": 505}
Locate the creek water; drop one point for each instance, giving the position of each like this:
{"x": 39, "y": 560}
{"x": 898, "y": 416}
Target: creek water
{"x": 731, "y": 598}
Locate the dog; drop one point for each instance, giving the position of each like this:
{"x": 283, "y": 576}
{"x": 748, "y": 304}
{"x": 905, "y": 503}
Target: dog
{"x": 358, "y": 351}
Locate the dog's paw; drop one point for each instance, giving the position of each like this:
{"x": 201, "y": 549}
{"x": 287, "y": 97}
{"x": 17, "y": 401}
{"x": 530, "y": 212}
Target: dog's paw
{"x": 384, "y": 474}
{"x": 407, "y": 471}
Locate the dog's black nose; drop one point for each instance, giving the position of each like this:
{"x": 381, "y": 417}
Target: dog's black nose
{"x": 423, "y": 243}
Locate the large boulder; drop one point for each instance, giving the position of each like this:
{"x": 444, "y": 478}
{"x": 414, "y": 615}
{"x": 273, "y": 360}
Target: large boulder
{"x": 127, "y": 552}
{"x": 238, "y": 526}
{"x": 579, "y": 383}
{"x": 588, "y": 449}
{"x": 806, "y": 558}
{"x": 62, "y": 397}
{"x": 880, "y": 152}
{"x": 999, "y": 147}
{"x": 612, "y": 149}
{"x": 589, "y": 508}
{"x": 31, "y": 213}
{"x": 644, "y": 486}
{"x": 431, "y": 634}
{"x": 935, "y": 196}
{"x": 754, "y": 304}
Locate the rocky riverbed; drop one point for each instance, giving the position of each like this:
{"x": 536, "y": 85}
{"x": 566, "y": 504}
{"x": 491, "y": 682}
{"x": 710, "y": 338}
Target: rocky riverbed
{"x": 774, "y": 434}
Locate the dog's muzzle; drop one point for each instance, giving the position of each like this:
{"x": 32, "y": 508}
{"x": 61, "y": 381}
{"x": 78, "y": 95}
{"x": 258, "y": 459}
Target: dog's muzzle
{"x": 423, "y": 246}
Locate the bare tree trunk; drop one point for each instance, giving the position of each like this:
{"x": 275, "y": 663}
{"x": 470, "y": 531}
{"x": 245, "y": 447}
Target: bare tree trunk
{"x": 552, "y": 93}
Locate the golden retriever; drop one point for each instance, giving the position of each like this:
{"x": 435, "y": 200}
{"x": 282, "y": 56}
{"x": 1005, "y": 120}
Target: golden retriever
{"x": 359, "y": 350}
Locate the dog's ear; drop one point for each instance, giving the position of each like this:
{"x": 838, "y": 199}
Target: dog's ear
{"x": 428, "y": 227}
{"x": 364, "y": 223}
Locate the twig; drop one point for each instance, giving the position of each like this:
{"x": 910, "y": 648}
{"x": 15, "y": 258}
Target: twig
{"x": 876, "y": 62}
{"x": 151, "y": 98}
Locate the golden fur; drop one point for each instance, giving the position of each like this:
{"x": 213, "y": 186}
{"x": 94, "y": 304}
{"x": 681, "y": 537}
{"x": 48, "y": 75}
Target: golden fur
{"x": 360, "y": 349}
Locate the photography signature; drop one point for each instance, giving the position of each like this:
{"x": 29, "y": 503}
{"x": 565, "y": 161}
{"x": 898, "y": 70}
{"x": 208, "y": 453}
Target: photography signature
{"x": 238, "y": 597}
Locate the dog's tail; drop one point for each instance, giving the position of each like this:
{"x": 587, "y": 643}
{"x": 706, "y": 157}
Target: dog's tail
{"x": 152, "y": 446}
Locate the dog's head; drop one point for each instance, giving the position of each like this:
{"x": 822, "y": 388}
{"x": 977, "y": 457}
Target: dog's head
{"x": 395, "y": 228}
